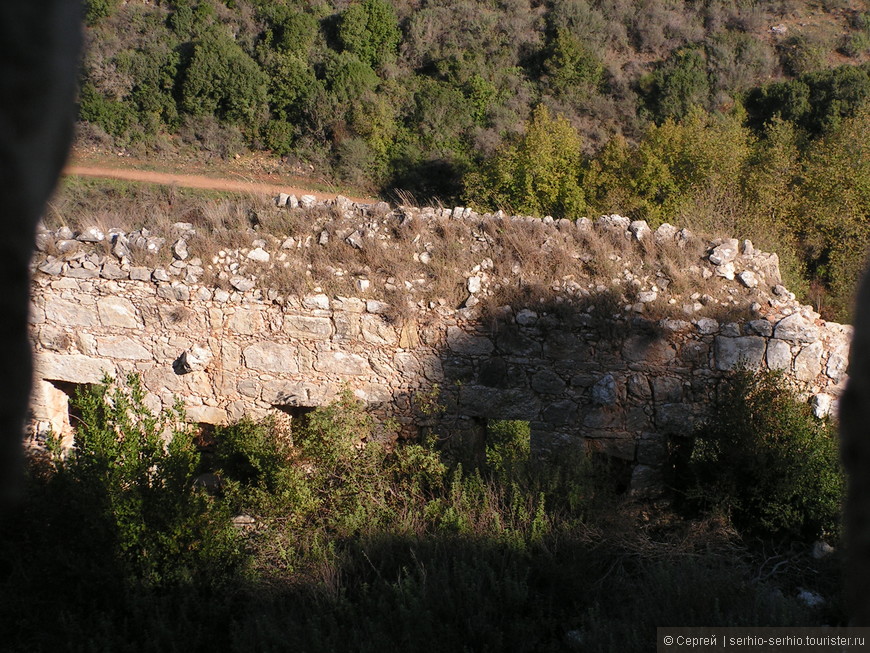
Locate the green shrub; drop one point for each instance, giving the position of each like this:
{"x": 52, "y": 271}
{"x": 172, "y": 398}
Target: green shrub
{"x": 370, "y": 30}
{"x": 766, "y": 461}
{"x": 133, "y": 473}
{"x": 222, "y": 80}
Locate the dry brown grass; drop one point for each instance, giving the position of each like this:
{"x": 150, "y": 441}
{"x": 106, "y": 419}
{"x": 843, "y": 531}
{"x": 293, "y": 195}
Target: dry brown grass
{"x": 409, "y": 258}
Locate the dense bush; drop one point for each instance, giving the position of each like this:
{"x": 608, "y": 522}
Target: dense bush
{"x": 764, "y": 460}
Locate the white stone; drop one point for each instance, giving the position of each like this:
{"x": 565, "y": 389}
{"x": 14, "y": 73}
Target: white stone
{"x": 822, "y": 403}
{"x": 259, "y": 255}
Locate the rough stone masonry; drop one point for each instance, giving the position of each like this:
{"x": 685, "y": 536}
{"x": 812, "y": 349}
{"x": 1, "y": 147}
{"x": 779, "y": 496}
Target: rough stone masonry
{"x": 621, "y": 385}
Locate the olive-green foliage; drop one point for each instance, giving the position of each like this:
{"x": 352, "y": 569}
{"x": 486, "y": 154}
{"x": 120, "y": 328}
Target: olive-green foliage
{"x": 571, "y": 67}
{"x": 835, "y": 205}
{"x": 816, "y": 102}
{"x": 222, "y": 80}
{"x": 763, "y": 459}
{"x": 680, "y": 84}
{"x": 369, "y": 29}
{"x": 537, "y": 175}
{"x": 685, "y": 172}
{"x": 132, "y": 474}
{"x": 95, "y": 10}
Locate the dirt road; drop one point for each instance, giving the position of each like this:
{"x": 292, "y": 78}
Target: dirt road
{"x": 197, "y": 181}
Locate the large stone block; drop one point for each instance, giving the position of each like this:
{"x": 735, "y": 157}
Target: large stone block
{"x": 377, "y": 332}
{"x": 271, "y": 357}
{"x": 642, "y": 348}
{"x": 778, "y": 355}
{"x": 808, "y": 362}
{"x": 74, "y": 368}
{"x": 730, "y": 352}
{"x": 308, "y": 328}
{"x": 796, "y": 328}
{"x": 493, "y": 403}
{"x": 118, "y": 312}
{"x": 339, "y": 362}
{"x": 67, "y": 313}
{"x": 206, "y": 415}
{"x": 246, "y": 322}
{"x": 122, "y": 347}
{"x": 467, "y": 344}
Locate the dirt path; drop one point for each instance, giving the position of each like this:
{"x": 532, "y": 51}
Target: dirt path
{"x": 197, "y": 181}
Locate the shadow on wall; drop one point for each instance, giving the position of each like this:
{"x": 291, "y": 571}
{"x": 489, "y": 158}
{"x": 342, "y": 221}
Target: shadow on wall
{"x": 583, "y": 372}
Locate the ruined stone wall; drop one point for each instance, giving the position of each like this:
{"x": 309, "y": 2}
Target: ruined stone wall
{"x": 619, "y": 384}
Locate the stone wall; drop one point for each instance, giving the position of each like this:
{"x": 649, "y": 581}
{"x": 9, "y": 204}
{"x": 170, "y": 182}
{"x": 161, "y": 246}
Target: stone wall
{"x": 621, "y": 383}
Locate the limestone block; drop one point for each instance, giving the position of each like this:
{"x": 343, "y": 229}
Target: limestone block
{"x": 667, "y": 389}
{"x": 729, "y": 352}
{"x": 74, "y": 368}
{"x": 641, "y": 348}
{"x": 407, "y": 365}
{"x": 206, "y": 415}
{"x": 246, "y": 321}
{"x": 67, "y": 313}
{"x": 308, "y": 328}
{"x": 248, "y": 388}
{"x": 796, "y": 328}
{"x": 778, "y": 355}
{"x": 726, "y": 252}
{"x": 432, "y": 368}
{"x": 566, "y": 345}
{"x": 652, "y": 449}
{"x": 231, "y": 354}
{"x": 604, "y": 392}
{"x": 118, "y": 312}
{"x": 678, "y": 419}
{"x": 339, "y": 362}
{"x": 836, "y": 367}
{"x": 548, "y": 382}
{"x": 377, "y": 332}
{"x": 54, "y": 338}
{"x": 271, "y": 357}
{"x": 808, "y": 362}
{"x": 347, "y": 325}
{"x": 372, "y": 393}
{"x": 603, "y": 417}
{"x": 639, "y": 386}
{"x": 695, "y": 353}
{"x": 122, "y": 347}
{"x": 319, "y": 301}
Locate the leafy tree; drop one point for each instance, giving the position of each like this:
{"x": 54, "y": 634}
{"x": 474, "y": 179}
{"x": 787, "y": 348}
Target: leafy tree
{"x": 538, "y": 175}
{"x": 572, "y": 69}
{"x": 222, "y": 80}
{"x": 834, "y": 221}
{"x": 679, "y": 84}
{"x": 691, "y": 169}
{"x": 369, "y": 29}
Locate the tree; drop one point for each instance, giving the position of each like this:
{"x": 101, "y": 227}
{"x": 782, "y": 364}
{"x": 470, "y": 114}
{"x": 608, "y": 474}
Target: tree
{"x": 572, "y": 69}
{"x": 222, "y": 80}
{"x": 679, "y": 84}
{"x": 538, "y": 175}
{"x": 369, "y": 29}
